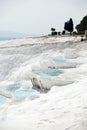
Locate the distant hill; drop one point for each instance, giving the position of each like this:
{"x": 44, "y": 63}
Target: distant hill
{"x": 5, "y": 35}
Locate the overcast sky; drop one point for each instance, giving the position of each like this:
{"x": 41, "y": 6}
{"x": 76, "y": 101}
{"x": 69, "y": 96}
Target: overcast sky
{"x": 38, "y": 16}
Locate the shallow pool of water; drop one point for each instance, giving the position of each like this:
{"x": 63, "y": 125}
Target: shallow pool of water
{"x": 13, "y": 87}
{"x": 22, "y": 94}
{"x": 57, "y": 59}
{"x": 2, "y": 100}
{"x": 48, "y": 72}
{"x": 19, "y": 92}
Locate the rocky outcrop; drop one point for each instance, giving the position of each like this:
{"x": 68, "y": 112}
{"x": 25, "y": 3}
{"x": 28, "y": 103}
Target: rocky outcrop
{"x": 45, "y": 84}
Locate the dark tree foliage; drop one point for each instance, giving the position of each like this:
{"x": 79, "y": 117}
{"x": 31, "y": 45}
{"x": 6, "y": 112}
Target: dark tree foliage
{"x": 52, "y": 29}
{"x": 59, "y": 33}
{"x": 54, "y": 33}
{"x": 63, "y": 32}
{"x": 74, "y": 32}
{"x": 68, "y": 26}
{"x": 82, "y": 26}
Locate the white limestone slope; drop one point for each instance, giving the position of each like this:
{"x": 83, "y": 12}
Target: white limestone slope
{"x": 63, "y": 107}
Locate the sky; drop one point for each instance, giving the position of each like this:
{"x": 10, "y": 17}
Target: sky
{"x": 36, "y": 17}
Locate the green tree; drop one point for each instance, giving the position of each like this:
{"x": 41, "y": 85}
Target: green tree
{"x": 68, "y": 26}
{"x": 53, "y": 31}
{"x": 82, "y": 26}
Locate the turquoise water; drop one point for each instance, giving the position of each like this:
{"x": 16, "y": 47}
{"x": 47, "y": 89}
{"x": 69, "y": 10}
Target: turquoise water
{"x": 19, "y": 94}
{"x": 27, "y": 91}
{"x": 48, "y": 72}
{"x": 13, "y": 87}
{"x": 2, "y": 100}
{"x": 57, "y": 59}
